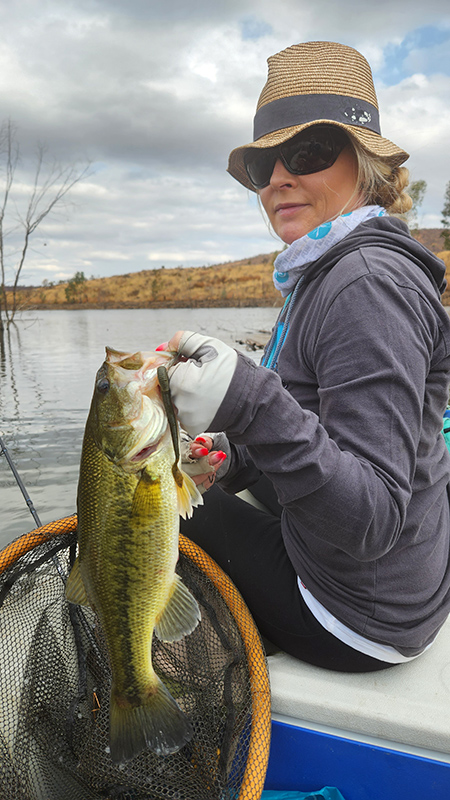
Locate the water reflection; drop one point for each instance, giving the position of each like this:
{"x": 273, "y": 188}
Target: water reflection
{"x": 7, "y": 366}
{"x": 48, "y": 363}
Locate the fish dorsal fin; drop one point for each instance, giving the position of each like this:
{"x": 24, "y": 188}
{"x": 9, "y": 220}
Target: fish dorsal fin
{"x": 75, "y": 591}
{"x": 188, "y": 495}
{"x": 180, "y": 615}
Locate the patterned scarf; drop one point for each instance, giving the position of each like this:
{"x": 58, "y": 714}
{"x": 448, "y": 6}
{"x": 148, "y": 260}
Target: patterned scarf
{"x": 289, "y": 265}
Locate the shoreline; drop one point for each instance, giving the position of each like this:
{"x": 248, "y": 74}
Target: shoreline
{"x": 159, "y": 306}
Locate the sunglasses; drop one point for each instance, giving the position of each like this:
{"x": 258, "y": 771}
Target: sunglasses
{"x": 312, "y": 150}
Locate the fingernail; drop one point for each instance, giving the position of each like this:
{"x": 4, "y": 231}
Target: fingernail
{"x": 203, "y": 451}
{"x": 218, "y": 457}
{"x": 162, "y": 346}
{"x": 200, "y": 439}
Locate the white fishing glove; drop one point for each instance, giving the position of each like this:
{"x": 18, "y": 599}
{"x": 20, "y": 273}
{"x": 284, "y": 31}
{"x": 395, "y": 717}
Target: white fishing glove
{"x": 199, "y": 384}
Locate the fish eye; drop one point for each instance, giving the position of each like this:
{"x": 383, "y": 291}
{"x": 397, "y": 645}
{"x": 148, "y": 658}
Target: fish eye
{"x": 103, "y": 385}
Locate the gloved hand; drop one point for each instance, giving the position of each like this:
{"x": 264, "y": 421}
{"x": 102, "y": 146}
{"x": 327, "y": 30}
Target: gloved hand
{"x": 199, "y": 384}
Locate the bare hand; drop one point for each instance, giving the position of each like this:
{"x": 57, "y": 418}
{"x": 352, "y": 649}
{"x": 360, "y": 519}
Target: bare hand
{"x": 200, "y": 448}
{"x": 172, "y": 345}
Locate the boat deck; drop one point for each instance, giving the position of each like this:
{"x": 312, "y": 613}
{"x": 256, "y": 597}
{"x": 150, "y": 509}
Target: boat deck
{"x": 399, "y": 717}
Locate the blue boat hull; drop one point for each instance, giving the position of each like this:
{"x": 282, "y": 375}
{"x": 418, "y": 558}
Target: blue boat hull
{"x": 306, "y": 760}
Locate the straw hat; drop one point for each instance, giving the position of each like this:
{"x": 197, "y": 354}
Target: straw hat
{"x": 317, "y": 82}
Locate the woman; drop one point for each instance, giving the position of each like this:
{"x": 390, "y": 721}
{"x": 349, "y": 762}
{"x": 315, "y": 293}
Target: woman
{"x": 339, "y": 432}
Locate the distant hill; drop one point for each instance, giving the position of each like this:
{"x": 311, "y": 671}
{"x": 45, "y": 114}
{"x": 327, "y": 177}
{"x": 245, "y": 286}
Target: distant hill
{"x": 239, "y": 283}
{"x": 431, "y": 238}
{"x": 247, "y": 282}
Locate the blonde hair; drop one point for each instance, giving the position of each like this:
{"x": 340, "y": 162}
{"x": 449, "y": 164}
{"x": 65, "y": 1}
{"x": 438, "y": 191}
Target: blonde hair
{"x": 381, "y": 182}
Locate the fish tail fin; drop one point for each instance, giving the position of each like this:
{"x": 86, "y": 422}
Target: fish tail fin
{"x": 187, "y": 493}
{"x": 158, "y": 724}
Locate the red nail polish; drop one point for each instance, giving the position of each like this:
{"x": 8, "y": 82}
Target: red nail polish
{"x": 162, "y": 346}
{"x": 200, "y": 439}
{"x": 218, "y": 458}
{"x": 203, "y": 451}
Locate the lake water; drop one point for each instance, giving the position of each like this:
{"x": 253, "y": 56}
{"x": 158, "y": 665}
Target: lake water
{"x": 47, "y": 372}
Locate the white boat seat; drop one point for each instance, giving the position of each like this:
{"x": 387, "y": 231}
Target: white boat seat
{"x": 407, "y": 704}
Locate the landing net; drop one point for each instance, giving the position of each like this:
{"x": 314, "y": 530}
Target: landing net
{"x": 55, "y": 683}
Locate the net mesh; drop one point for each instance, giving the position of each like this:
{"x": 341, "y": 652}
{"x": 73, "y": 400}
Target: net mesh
{"x": 55, "y": 682}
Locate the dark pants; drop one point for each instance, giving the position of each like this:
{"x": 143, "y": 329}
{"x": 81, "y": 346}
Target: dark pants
{"x": 248, "y": 545}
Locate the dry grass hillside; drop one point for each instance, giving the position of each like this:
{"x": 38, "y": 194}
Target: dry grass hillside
{"x": 239, "y": 283}
{"x": 431, "y": 238}
{"x": 445, "y": 255}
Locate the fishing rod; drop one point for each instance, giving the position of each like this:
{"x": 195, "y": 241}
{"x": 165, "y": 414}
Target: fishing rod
{"x": 4, "y": 452}
{"x": 75, "y": 612}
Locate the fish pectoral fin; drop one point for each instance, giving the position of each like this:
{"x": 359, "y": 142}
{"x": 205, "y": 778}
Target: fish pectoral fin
{"x": 180, "y": 615}
{"x": 187, "y": 493}
{"x": 75, "y": 591}
{"x": 147, "y": 501}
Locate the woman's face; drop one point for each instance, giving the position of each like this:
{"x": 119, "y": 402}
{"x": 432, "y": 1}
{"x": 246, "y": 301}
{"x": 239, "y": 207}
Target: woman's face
{"x": 296, "y": 204}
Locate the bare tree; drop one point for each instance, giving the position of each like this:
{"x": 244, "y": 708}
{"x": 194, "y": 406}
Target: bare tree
{"x": 10, "y": 151}
{"x": 416, "y": 191}
{"x": 51, "y": 184}
{"x": 445, "y": 221}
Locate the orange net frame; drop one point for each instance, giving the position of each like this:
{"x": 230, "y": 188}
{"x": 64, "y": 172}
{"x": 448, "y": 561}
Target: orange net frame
{"x": 54, "y": 687}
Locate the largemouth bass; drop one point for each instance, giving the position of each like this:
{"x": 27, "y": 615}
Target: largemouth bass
{"x": 131, "y": 492}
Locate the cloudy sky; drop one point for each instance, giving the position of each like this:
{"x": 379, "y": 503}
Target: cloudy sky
{"x": 155, "y": 93}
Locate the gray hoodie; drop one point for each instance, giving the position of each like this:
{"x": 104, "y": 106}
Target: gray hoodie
{"x": 349, "y": 433}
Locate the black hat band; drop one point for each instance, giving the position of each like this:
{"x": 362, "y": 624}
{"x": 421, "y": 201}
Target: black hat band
{"x": 286, "y": 112}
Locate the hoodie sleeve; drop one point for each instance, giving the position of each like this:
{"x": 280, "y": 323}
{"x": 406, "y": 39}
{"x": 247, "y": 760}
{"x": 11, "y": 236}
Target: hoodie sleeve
{"x": 345, "y": 476}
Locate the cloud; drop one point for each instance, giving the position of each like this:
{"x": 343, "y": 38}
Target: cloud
{"x": 155, "y": 95}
